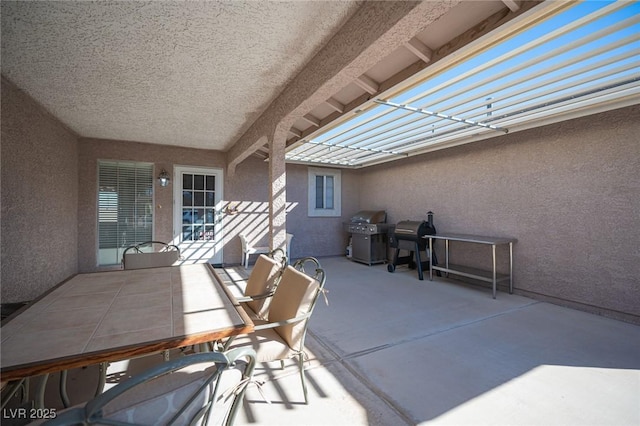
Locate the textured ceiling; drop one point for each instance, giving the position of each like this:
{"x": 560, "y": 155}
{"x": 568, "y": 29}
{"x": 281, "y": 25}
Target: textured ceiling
{"x": 193, "y": 74}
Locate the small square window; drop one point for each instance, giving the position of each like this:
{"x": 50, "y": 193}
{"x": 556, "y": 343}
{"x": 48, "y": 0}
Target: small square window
{"x": 324, "y": 192}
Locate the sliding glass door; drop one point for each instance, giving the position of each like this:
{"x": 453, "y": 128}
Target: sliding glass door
{"x": 125, "y": 208}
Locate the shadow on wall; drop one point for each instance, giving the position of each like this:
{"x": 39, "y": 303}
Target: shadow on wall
{"x": 250, "y": 218}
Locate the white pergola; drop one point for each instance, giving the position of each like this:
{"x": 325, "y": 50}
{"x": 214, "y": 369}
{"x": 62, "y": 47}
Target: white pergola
{"x": 576, "y": 60}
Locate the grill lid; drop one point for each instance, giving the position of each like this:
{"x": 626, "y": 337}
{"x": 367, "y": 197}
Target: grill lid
{"x": 414, "y": 229}
{"x": 369, "y": 216}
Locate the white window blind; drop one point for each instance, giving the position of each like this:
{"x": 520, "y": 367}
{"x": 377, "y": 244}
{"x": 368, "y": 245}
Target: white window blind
{"x": 125, "y": 208}
{"x": 324, "y": 192}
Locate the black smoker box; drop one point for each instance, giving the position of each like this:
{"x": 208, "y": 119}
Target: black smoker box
{"x": 368, "y": 229}
{"x": 409, "y": 235}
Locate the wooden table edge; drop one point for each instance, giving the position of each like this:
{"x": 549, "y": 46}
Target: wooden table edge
{"x": 125, "y": 352}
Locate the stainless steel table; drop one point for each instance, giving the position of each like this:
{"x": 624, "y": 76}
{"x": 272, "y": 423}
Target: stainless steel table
{"x": 492, "y": 277}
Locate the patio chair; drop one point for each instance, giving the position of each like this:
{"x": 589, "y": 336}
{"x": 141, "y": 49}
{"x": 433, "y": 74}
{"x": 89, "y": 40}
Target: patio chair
{"x": 262, "y": 283}
{"x": 282, "y": 336}
{"x": 205, "y": 388}
{"x": 162, "y": 254}
{"x": 249, "y": 249}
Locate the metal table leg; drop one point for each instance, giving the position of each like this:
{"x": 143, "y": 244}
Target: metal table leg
{"x": 446, "y": 256}
{"x": 493, "y": 258}
{"x": 430, "y": 259}
{"x": 510, "y": 268}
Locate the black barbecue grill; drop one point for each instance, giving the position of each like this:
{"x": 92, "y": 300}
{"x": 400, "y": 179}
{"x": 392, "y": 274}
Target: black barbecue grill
{"x": 368, "y": 229}
{"x": 409, "y": 235}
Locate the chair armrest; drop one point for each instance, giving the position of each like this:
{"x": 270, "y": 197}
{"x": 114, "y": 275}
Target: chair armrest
{"x": 258, "y": 327}
{"x": 281, "y": 323}
{"x": 255, "y": 297}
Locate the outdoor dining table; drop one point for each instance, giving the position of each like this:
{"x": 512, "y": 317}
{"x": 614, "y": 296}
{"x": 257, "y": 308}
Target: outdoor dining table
{"x": 109, "y": 316}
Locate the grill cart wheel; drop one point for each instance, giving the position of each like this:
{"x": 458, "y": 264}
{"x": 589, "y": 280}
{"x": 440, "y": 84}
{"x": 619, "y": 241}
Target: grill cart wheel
{"x": 391, "y": 267}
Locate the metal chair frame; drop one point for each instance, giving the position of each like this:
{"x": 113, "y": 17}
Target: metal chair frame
{"x": 91, "y": 412}
{"x": 319, "y": 275}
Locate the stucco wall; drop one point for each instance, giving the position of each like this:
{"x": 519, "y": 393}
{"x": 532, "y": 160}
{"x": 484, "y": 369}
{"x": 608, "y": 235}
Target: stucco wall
{"x": 39, "y": 198}
{"x": 92, "y": 150}
{"x": 246, "y": 192}
{"x": 569, "y": 192}
{"x": 318, "y": 236}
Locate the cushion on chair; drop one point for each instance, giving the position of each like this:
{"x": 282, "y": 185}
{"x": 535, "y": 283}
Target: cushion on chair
{"x": 294, "y": 297}
{"x": 262, "y": 279}
{"x": 268, "y": 344}
{"x": 156, "y": 401}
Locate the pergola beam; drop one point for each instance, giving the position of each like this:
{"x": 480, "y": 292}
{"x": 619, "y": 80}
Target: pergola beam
{"x": 367, "y": 84}
{"x": 337, "y": 106}
{"x": 513, "y": 5}
{"x": 419, "y": 49}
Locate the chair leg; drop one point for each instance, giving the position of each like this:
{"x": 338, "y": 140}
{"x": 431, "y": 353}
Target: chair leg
{"x": 304, "y": 384}
{"x": 102, "y": 380}
{"x": 13, "y": 388}
{"x": 102, "y": 377}
{"x": 63, "y": 389}
{"x": 39, "y": 397}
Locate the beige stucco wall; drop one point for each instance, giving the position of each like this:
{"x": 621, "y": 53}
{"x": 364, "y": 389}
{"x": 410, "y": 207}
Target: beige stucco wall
{"x": 246, "y": 192}
{"x": 39, "y": 198}
{"x": 569, "y": 192}
{"x": 318, "y": 236}
{"x": 92, "y": 150}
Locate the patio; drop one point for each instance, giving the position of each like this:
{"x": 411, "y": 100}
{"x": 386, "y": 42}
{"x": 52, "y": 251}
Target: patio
{"x": 390, "y": 349}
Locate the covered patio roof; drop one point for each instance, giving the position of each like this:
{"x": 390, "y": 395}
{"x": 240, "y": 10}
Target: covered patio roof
{"x": 571, "y": 61}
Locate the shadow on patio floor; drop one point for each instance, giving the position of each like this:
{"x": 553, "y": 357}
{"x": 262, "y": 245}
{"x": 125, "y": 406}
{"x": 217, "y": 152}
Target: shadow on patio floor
{"x": 390, "y": 349}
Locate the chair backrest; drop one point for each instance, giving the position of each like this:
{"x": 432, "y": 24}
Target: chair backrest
{"x": 296, "y": 296}
{"x": 205, "y": 388}
{"x": 264, "y": 279}
{"x": 161, "y": 254}
{"x": 243, "y": 241}
{"x": 289, "y": 238}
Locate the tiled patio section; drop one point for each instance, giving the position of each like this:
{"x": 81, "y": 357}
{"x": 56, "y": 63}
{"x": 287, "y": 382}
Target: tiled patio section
{"x": 390, "y": 350}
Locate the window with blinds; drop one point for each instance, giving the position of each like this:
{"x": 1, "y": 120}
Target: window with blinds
{"x": 125, "y": 208}
{"x": 324, "y": 192}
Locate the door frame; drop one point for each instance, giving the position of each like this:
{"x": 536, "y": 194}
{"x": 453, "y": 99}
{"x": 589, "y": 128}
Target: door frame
{"x": 218, "y": 244}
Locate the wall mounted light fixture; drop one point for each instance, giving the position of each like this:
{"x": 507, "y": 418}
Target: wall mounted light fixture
{"x": 164, "y": 178}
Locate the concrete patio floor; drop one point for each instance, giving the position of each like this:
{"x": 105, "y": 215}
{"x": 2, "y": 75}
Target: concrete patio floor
{"x": 391, "y": 350}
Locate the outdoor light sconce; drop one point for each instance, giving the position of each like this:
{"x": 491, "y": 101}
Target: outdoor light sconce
{"x": 231, "y": 209}
{"x": 164, "y": 178}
